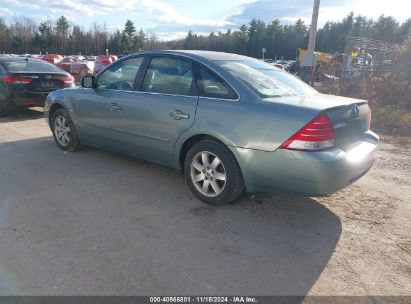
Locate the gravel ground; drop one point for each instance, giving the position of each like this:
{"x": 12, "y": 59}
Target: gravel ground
{"x": 92, "y": 223}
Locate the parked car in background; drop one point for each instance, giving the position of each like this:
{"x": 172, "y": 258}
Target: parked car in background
{"x": 52, "y": 58}
{"x": 90, "y": 58}
{"x": 102, "y": 61}
{"x": 229, "y": 122}
{"x": 65, "y": 63}
{"x": 77, "y": 66}
{"x": 25, "y": 82}
{"x": 277, "y": 65}
{"x": 80, "y": 68}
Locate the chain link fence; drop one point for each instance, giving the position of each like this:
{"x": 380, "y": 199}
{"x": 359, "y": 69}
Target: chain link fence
{"x": 364, "y": 56}
{"x": 379, "y": 72}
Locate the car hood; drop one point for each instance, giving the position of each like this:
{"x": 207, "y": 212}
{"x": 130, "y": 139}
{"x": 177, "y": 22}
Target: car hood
{"x": 316, "y": 101}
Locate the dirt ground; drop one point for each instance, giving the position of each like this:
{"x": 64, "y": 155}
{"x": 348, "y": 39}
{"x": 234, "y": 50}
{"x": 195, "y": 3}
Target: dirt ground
{"x": 92, "y": 223}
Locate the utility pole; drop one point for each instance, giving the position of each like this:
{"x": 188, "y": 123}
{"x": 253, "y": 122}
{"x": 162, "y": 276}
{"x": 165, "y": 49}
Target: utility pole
{"x": 313, "y": 28}
{"x": 308, "y": 62}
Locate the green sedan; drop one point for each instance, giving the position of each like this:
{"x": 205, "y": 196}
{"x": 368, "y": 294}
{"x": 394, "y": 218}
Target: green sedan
{"x": 230, "y": 123}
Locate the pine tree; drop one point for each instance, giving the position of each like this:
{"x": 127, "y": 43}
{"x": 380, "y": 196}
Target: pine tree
{"x": 62, "y": 26}
{"x": 188, "y": 43}
{"x": 62, "y": 29}
{"x": 129, "y": 28}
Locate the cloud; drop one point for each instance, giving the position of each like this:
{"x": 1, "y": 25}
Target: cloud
{"x": 268, "y": 10}
{"x": 70, "y": 8}
{"x": 293, "y": 19}
{"x": 239, "y": 9}
{"x": 168, "y": 19}
{"x": 167, "y": 36}
{"x": 40, "y": 17}
{"x": 23, "y": 4}
{"x": 6, "y": 11}
{"x": 114, "y": 28}
{"x": 118, "y": 5}
{"x": 164, "y": 13}
{"x": 399, "y": 9}
{"x": 74, "y": 9}
{"x": 330, "y": 10}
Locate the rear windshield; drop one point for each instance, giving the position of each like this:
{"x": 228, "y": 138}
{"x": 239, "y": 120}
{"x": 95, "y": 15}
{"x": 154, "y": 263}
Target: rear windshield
{"x": 266, "y": 80}
{"x": 30, "y": 66}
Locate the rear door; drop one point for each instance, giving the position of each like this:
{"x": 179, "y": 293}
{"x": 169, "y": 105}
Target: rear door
{"x": 162, "y": 108}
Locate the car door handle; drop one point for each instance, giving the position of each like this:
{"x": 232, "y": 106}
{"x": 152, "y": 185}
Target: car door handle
{"x": 115, "y": 107}
{"x": 177, "y": 114}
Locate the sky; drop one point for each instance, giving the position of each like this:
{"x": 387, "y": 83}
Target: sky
{"x": 171, "y": 19}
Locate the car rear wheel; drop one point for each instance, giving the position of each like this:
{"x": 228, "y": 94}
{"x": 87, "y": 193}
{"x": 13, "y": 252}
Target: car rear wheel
{"x": 212, "y": 173}
{"x": 4, "y": 109}
{"x": 64, "y": 132}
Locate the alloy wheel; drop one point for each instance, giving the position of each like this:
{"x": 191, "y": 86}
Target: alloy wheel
{"x": 62, "y": 130}
{"x": 208, "y": 173}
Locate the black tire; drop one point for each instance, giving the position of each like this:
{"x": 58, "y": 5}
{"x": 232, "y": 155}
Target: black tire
{"x": 74, "y": 143}
{"x": 233, "y": 185}
{"x": 4, "y": 109}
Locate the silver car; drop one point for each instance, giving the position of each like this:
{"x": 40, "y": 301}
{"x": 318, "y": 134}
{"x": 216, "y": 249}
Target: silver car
{"x": 230, "y": 123}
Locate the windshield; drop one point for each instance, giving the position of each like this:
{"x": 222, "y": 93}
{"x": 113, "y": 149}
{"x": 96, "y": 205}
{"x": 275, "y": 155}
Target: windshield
{"x": 30, "y": 66}
{"x": 266, "y": 80}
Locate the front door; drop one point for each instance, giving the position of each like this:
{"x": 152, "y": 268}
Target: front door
{"x": 99, "y": 111}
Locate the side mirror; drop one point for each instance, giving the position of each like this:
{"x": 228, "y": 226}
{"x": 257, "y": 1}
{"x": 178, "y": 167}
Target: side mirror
{"x": 88, "y": 82}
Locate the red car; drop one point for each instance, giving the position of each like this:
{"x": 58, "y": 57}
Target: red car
{"x": 65, "y": 63}
{"x": 52, "y": 58}
{"x": 102, "y": 61}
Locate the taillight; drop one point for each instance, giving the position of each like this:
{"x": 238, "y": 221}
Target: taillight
{"x": 9, "y": 79}
{"x": 68, "y": 79}
{"x": 317, "y": 135}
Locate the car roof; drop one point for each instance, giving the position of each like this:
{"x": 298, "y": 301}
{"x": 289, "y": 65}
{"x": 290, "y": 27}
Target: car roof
{"x": 18, "y": 58}
{"x": 204, "y": 54}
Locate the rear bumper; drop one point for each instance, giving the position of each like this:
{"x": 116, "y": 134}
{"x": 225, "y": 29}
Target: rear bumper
{"x": 307, "y": 173}
{"x": 29, "y": 99}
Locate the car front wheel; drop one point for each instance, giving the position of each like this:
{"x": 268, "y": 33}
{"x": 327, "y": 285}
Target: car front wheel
{"x": 64, "y": 132}
{"x": 212, "y": 173}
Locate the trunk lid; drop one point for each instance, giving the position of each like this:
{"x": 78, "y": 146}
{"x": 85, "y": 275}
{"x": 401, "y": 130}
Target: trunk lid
{"x": 350, "y": 117}
{"x": 41, "y": 82}
{"x": 316, "y": 101}
{"x": 350, "y": 123}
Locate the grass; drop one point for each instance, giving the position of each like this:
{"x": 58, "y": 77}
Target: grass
{"x": 393, "y": 139}
{"x": 391, "y": 120}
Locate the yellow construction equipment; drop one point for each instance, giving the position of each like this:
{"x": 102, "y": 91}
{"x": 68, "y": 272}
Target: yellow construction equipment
{"x": 321, "y": 57}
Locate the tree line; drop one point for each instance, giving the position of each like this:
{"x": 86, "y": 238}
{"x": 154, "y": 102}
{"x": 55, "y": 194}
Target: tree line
{"x": 24, "y": 35}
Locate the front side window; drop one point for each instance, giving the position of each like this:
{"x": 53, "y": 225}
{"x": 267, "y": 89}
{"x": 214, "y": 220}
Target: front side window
{"x": 211, "y": 85}
{"x": 168, "y": 75}
{"x": 2, "y": 71}
{"x": 266, "y": 80}
{"x": 120, "y": 76}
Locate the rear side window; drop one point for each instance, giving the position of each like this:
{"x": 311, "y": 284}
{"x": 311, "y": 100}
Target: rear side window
{"x": 30, "y": 66}
{"x": 212, "y": 85}
{"x": 266, "y": 80}
{"x": 169, "y": 75}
